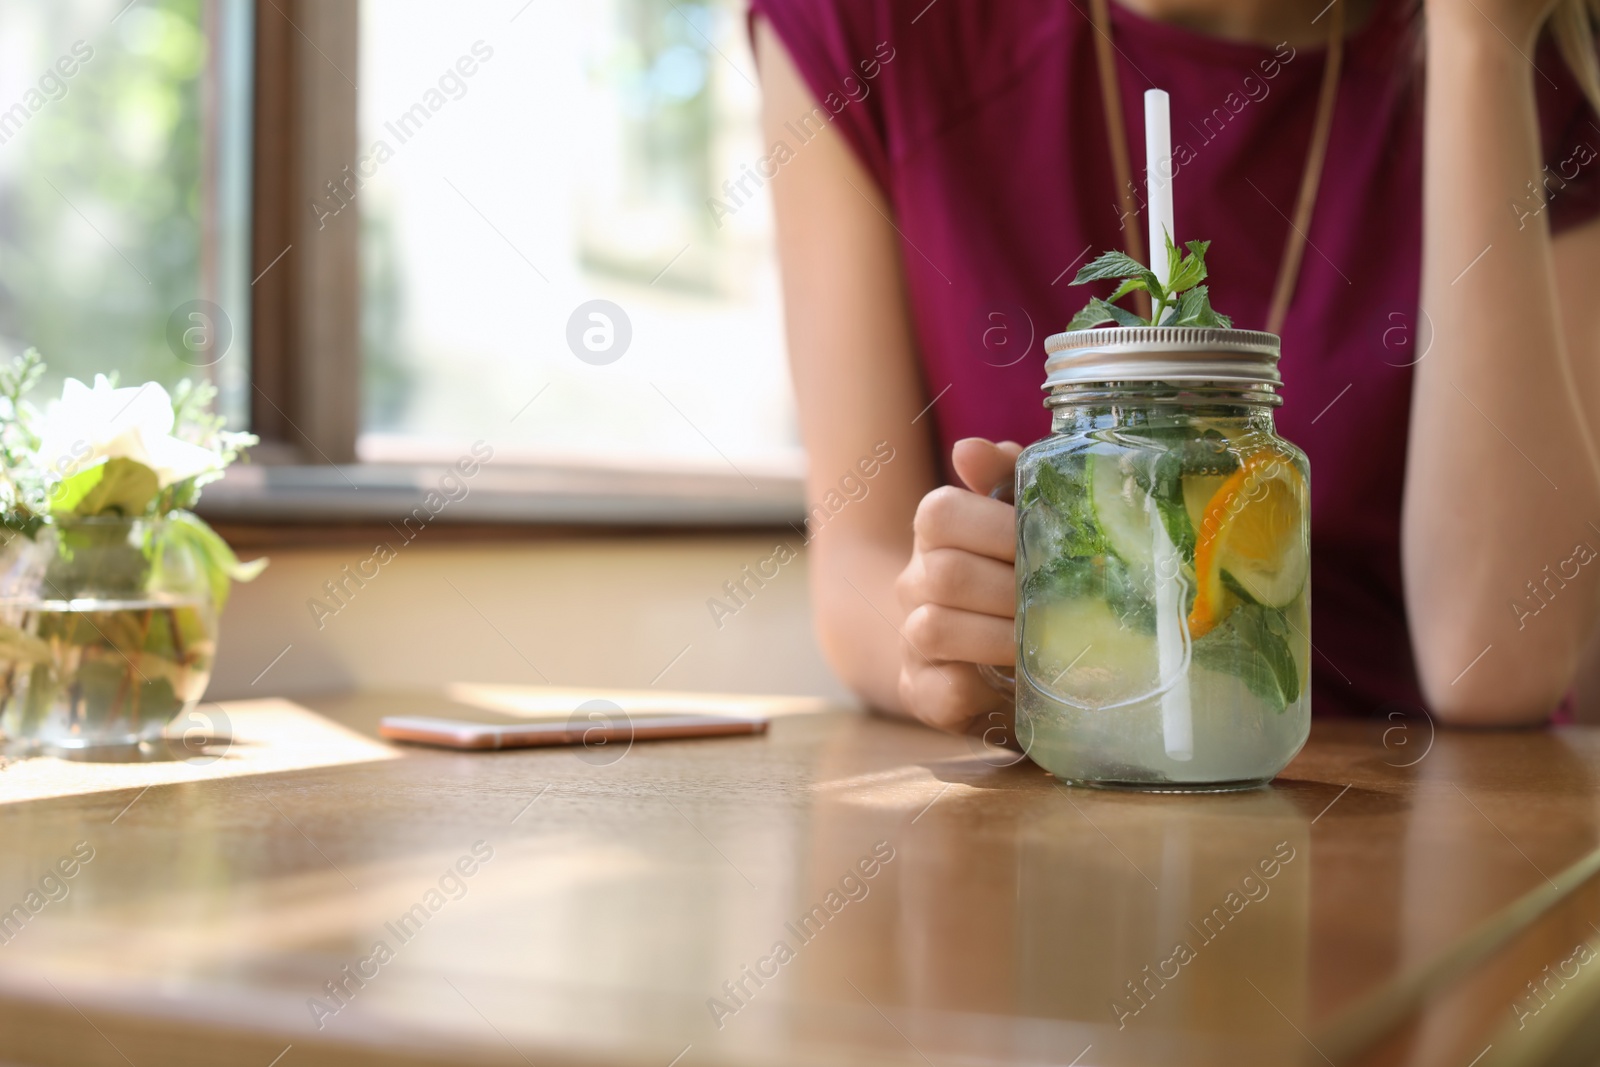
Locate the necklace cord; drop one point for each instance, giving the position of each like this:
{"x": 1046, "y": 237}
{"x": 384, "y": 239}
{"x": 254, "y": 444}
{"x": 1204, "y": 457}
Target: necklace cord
{"x": 1116, "y": 132}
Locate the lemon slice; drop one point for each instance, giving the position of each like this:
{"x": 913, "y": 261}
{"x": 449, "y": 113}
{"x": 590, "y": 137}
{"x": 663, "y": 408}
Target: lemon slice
{"x": 1254, "y": 529}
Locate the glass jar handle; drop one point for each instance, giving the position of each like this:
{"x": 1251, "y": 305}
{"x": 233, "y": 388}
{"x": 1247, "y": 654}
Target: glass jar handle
{"x": 1002, "y": 680}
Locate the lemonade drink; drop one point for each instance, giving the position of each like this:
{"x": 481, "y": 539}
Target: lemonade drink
{"x": 1163, "y": 567}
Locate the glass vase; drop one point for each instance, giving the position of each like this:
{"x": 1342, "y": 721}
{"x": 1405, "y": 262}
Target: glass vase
{"x": 108, "y": 629}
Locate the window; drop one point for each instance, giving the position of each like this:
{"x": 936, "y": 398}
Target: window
{"x": 124, "y": 189}
{"x": 540, "y": 266}
{"x": 389, "y": 228}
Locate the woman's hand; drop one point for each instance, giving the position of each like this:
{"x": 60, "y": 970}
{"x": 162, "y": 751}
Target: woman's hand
{"x": 959, "y": 591}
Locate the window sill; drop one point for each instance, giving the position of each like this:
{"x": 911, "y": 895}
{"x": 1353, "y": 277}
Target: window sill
{"x": 499, "y": 494}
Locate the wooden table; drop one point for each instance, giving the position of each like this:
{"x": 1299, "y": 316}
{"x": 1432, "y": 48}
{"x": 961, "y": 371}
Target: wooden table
{"x": 844, "y": 890}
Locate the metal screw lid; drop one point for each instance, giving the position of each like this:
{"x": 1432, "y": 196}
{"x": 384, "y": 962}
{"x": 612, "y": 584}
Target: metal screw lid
{"x": 1161, "y": 353}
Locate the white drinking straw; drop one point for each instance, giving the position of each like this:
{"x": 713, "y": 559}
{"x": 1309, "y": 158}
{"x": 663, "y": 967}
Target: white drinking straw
{"x": 1177, "y": 716}
{"x": 1158, "y": 178}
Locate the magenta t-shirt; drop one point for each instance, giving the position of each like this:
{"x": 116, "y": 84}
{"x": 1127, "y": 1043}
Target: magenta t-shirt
{"x": 983, "y": 124}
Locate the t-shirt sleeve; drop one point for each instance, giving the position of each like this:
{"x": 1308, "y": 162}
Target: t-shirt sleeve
{"x": 1571, "y": 146}
{"x": 841, "y": 48}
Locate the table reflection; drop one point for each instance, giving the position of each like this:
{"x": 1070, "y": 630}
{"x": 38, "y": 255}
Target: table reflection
{"x": 1129, "y": 915}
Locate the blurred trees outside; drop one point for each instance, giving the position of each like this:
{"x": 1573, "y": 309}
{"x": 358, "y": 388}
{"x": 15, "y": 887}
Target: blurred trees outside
{"x": 101, "y": 195}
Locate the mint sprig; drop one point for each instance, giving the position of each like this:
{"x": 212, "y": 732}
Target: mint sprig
{"x": 1183, "y": 301}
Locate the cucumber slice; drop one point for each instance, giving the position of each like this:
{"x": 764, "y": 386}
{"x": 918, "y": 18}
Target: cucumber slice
{"x": 1119, "y": 510}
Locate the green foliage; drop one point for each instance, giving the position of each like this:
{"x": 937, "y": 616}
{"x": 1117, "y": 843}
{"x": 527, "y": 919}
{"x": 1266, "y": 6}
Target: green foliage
{"x": 96, "y": 561}
{"x": 1103, "y": 577}
{"x": 99, "y": 559}
{"x": 1086, "y": 565}
{"x": 1098, "y": 312}
{"x": 221, "y": 565}
{"x": 28, "y": 492}
{"x": 17, "y": 379}
{"x": 1183, "y": 301}
{"x": 1065, "y": 490}
{"x": 1180, "y": 451}
{"x": 191, "y": 410}
{"x": 102, "y": 558}
{"x": 1162, "y": 478}
{"x": 21, "y": 483}
{"x": 1253, "y": 644}
{"x": 195, "y": 420}
{"x": 1115, "y": 264}
{"x": 1186, "y": 272}
{"x": 116, "y": 487}
{"x": 123, "y": 146}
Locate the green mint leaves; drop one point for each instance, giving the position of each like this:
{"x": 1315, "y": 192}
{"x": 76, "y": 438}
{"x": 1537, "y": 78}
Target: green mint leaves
{"x": 1253, "y": 644}
{"x": 1183, "y": 301}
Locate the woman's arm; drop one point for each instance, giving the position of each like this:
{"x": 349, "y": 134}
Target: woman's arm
{"x": 1502, "y": 478}
{"x": 901, "y": 576}
{"x": 1576, "y": 254}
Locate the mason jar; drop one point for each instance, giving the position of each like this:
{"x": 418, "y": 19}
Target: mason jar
{"x": 1163, "y": 564}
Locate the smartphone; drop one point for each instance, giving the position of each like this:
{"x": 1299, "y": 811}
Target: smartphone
{"x": 529, "y": 733}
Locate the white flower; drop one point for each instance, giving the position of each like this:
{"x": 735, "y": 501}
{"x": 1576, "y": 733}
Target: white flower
{"x": 88, "y": 426}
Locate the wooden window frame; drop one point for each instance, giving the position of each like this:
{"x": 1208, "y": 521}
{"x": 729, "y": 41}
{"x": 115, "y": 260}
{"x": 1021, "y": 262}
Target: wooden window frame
{"x": 305, "y": 401}
{"x": 305, "y": 479}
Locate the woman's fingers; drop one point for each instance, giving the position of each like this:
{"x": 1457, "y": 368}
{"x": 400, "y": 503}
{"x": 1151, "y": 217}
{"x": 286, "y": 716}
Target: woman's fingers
{"x": 938, "y": 634}
{"x": 955, "y": 518}
{"x": 959, "y": 579}
{"x": 959, "y": 591}
{"x": 947, "y": 696}
{"x": 983, "y": 465}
